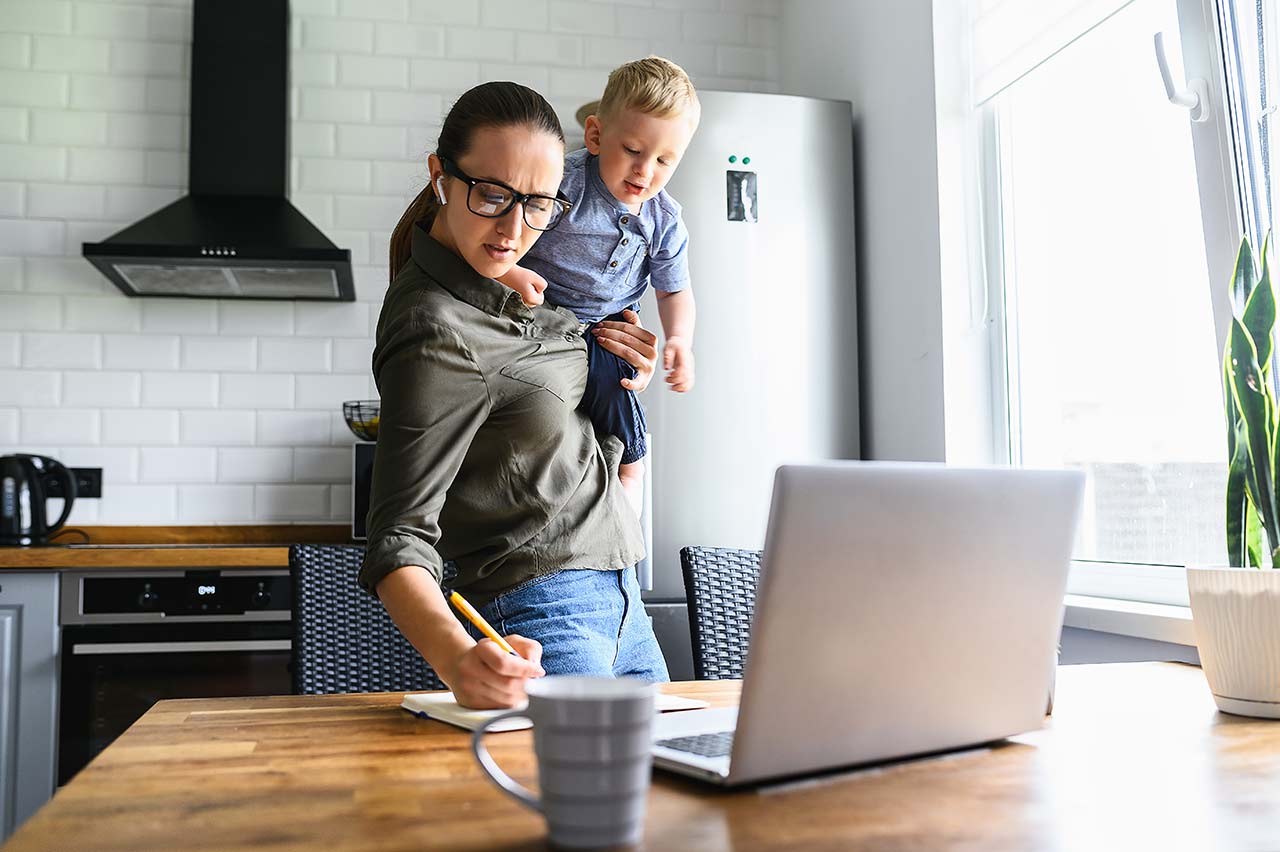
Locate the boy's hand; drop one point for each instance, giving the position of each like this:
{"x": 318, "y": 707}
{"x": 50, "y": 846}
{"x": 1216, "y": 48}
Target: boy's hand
{"x": 677, "y": 360}
{"x": 527, "y": 283}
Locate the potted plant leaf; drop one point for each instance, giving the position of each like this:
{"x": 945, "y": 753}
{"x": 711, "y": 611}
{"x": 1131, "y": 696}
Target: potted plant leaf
{"x": 1236, "y": 609}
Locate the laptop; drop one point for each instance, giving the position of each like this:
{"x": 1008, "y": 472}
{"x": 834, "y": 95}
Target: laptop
{"x": 902, "y": 610}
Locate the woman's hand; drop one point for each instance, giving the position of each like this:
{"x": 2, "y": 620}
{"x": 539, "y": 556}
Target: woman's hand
{"x": 632, "y": 343}
{"x": 485, "y": 677}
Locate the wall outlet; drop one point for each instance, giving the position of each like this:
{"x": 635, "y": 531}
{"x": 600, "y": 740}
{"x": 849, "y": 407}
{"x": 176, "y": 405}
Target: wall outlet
{"x": 88, "y": 483}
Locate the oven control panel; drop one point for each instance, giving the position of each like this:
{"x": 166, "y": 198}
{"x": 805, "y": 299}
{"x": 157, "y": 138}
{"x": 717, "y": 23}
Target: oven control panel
{"x": 93, "y": 597}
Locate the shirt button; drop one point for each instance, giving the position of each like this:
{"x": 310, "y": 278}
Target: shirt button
{"x": 613, "y": 263}
{"x": 624, "y": 242}
{"x": 625, "y": 219}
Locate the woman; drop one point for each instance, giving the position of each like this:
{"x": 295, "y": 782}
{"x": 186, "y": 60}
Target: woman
{"x": 484, "y": 464}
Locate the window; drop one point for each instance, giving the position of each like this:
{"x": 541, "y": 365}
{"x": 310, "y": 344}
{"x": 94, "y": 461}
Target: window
{"x": 1249, "y": 49}
{"x": 1116, "y": 234}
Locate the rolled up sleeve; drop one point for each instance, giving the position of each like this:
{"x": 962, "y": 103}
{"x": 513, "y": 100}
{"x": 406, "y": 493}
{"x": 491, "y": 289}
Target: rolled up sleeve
{"x": 434, "y": 399}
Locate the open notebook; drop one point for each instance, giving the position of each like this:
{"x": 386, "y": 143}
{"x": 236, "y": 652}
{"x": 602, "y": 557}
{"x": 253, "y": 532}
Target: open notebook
{"x": 441, "y": 707}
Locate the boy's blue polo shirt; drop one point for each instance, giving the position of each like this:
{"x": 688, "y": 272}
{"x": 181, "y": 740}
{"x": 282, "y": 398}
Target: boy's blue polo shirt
{"x": 601, "y": 256}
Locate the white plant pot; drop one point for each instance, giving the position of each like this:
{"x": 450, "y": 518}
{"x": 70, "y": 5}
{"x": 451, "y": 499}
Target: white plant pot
{"x": 1236, "y": 615}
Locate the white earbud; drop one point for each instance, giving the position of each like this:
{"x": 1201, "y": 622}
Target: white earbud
{"x": 440, "y": 189}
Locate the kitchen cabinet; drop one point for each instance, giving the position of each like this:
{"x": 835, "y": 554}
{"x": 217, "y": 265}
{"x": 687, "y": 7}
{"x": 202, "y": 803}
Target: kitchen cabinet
{"x": 28, "y": 693}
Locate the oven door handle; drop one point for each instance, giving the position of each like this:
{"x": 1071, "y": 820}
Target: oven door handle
{"x": 91, "y": 648}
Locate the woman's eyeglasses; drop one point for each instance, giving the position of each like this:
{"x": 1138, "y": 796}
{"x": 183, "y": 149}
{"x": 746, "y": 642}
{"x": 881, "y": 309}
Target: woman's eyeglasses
{"x": 492, "y": 200}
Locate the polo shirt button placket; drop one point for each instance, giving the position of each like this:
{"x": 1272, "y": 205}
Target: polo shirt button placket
{"x": 622, "y": 220}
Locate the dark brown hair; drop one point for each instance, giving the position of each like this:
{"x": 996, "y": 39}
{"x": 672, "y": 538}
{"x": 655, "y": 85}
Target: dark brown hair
{"x": 487, "y": 105}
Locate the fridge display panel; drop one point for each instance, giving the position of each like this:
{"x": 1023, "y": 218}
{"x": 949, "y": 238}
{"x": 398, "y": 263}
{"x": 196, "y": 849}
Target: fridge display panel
{"x": 740, "y": 193}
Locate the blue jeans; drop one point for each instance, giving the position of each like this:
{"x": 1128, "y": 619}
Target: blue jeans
{"x": 589, "y": 623}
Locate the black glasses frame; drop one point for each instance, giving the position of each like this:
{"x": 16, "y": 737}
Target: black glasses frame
{"x": 559, "y": 199}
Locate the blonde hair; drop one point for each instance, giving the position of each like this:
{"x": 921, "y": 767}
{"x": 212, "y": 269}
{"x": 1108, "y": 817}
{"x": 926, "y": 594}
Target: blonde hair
{"x": 653, "y": 86}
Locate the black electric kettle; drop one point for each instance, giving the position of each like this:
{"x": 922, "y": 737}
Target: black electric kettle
{"x": 23, "y": 495}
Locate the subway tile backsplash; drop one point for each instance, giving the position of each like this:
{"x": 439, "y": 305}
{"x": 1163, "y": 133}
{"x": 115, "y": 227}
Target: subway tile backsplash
{"x": 229, "y": 411}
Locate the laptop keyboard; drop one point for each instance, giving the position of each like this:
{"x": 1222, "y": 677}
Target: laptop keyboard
{"x": 717, "y": 744}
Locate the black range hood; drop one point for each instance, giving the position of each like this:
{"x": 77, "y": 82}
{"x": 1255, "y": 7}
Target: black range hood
{"x": 235, "y": 235}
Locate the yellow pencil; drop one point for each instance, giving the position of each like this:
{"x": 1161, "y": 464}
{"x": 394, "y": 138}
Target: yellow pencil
{"x": 460, "y": 603}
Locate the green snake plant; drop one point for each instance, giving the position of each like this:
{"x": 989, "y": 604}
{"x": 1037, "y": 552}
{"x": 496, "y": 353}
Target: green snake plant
{"x": 1253, "y": 417}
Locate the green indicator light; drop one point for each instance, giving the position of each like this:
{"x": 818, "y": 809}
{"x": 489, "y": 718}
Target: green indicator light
{"x": 732, "y": 158}
{"x": 746, "y": 160}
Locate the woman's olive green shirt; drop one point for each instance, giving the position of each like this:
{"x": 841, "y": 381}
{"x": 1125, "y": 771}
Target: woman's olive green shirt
{"x": 483, "y": 457}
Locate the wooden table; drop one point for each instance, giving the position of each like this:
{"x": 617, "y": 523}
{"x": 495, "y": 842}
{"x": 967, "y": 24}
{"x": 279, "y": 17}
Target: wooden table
{"x": 1136, "y": 757}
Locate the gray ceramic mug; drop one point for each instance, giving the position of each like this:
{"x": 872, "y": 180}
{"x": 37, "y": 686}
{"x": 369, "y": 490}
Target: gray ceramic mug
{"x": 592, "y": 737}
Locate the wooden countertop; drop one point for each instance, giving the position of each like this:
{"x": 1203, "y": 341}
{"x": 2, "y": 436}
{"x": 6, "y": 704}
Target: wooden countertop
{"x": 1136, "y": 756}
{"x": 182, "y": 548}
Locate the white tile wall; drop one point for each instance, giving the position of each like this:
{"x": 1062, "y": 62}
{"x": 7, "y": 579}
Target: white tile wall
{"x": 11, "y": 267}
{"x": 105, "y": 314}
{"x": 256, "y": 390}
{"x": 219, "y": 353}
{"x": 217, "y": 428}
{"x": 61, "y": 350}
{"x": 226, "y": 412}
{"x": 137, "y": 351}
{"x": 9, "y": 426}
{"x": 11, "y": 195}
{"x": 255, "y": 464}
{"x": 291, "y": 502}
{"x": 100, "y": 388}
{"x": 215, "y": 503}
{"x": 135, "y": 504}
{"x": 179, "y": 390}
{"x": 9, "y": 350}
{"x": 133, "y": 426}
{"x": 179, "y": 464}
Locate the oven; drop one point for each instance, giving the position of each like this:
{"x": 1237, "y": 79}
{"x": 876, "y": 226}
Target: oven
{"x": 132, "y": 638}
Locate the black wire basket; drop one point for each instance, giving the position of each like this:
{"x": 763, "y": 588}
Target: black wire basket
{"x": 362, "y": 417}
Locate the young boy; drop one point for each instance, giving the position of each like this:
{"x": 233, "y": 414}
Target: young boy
{"x": 624, "y": 233}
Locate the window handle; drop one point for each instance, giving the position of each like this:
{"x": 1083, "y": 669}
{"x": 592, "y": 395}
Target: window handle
{"x": 1194, "y": 97}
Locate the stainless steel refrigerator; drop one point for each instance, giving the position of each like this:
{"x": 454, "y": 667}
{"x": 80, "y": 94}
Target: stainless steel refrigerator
{"x": 768, "y": 195}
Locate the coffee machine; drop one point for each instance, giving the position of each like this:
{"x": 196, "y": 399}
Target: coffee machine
{"x": 24, "y": 489}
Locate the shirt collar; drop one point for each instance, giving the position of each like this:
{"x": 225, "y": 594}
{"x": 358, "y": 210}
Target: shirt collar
{"x": 456, "y": 275}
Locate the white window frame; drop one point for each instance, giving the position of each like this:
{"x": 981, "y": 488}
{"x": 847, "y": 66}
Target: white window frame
{"x": 1222, "y": 214}
{"x": 1221, "y": 199}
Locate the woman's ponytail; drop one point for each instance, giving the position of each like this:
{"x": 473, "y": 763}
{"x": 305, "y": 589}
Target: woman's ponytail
{"x": 422, "y": 209}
